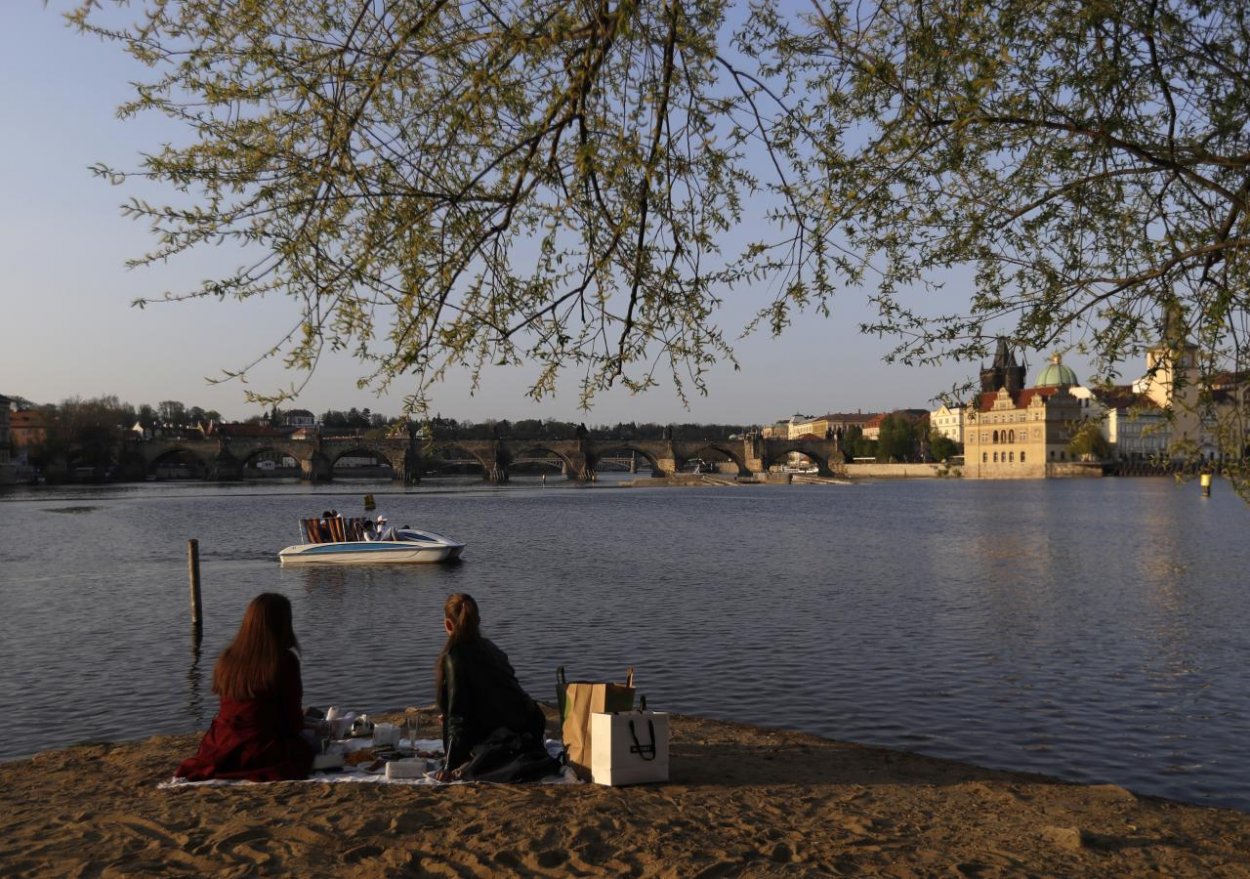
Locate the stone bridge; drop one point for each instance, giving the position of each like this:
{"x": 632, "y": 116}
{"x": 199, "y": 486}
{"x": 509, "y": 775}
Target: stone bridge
{"x": 225, "y": 458}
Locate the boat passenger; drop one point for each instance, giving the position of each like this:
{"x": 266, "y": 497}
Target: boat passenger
{"x": 258, "y": 733}
{"x": 369, "y": 533}
{"x": 477, "y": 689}
{"x": 384, "y": 531}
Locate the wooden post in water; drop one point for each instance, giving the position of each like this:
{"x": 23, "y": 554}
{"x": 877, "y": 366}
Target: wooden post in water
{"x": 193, "y": 568}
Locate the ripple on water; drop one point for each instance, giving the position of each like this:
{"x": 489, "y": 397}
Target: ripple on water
{"x": 1073, "y": 628}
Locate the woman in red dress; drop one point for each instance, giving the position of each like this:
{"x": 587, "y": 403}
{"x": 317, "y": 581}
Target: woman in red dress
{"x": 256, "y": 734}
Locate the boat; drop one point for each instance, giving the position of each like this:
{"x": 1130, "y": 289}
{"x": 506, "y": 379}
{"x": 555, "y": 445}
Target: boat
{"x": 339, "y": 541}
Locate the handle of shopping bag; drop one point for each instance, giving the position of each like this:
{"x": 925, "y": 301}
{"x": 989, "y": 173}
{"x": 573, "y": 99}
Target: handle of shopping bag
{"x": 629, "y": 676}
{"x": 646, "y": 752}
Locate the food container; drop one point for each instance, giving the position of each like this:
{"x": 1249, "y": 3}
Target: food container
{"x": 412, "y": 768}
{"x": 386, "y": 735}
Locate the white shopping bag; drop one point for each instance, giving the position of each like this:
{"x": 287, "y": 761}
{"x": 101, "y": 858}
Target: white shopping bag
{"x": 629, "y": 747}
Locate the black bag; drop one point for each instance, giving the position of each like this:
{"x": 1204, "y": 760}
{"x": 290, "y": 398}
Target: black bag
{"x": 506, "y": 756}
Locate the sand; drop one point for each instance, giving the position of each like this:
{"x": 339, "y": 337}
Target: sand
{"x": 742, "y": 801}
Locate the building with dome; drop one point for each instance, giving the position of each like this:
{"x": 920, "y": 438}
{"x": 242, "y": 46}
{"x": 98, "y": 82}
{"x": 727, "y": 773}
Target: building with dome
{"x": 1172, "y": 414}
{"x": 1017, "y": 432}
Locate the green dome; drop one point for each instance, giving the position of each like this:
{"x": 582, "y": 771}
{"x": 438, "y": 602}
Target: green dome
{"x": 1056, "y": 374}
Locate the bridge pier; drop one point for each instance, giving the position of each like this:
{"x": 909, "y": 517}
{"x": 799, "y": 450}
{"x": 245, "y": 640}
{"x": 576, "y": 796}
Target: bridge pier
{"x": 224, "y": 467}
{"x": 497, "y": 472}
{"x": 316, "y": 468}
{"x": 412, "y": 468}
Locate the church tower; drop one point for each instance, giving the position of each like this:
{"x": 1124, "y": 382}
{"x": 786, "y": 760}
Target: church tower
{"x": 1005, "y": 372}
{"x": 1171, "y": 379}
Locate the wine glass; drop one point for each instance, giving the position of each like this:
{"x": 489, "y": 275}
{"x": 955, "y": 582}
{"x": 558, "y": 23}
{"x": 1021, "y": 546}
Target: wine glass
{"x": 414, "y": 722}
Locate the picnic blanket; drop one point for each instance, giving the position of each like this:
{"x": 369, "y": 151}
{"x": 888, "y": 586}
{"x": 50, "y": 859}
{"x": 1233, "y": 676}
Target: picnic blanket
{"x": 359, "y": 774}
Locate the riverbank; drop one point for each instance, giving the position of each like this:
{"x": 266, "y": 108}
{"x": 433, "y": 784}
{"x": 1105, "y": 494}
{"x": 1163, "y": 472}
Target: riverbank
{"x": 742, "y": 801}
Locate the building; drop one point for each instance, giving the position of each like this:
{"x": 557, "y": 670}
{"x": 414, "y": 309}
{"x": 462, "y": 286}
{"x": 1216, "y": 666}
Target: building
{"x": 830, "y": 426}
{"x": 1204, "y": 415}
{"x": 27, "y": 429}
{"x": 299, "y": 418}
{"x": 1014, "y": 432}
{"x": 1134, "y": 424}
{"x": 948, "y": 420}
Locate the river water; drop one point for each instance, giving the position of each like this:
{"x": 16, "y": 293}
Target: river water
{"x": 1095, "y": 630}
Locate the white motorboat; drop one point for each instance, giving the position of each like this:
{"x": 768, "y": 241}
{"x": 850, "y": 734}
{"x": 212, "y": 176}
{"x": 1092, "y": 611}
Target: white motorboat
{"x": 401, "y": 546}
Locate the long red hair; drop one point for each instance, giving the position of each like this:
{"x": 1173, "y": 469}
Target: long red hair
{"x": 248, "y": 667}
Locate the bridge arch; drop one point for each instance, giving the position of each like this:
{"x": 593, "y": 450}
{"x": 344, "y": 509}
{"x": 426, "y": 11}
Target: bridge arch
{"x": 444, "y": 449}
{"x": 531, "y": 448}
{"x": 610, "y": 449}
{"x": 366, "y": 450}
{"x": 172, "y": 457}
{"x": 827, "y": 459}
{"x": 700, "y": 451}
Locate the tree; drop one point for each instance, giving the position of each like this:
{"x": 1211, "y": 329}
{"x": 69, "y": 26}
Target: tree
{"x": 465, "y": 184}
{"x": 83, "y": 433}
{"x": 172, "y": 412}
{"x": 941, "y": 446}
{"x": 897, "y": 439}
{"x": 1089, "y": 444}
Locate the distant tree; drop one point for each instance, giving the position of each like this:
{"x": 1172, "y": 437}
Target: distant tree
{"x": 20, "y": 402}
{"x": 941, "y": 446}
{"x": 147, "y": 417}
{"x": 172, "y": 412}
{"x": 1089, "y": 444}
{"x": 897, "y": 439}
{"x": 83, "y": 433}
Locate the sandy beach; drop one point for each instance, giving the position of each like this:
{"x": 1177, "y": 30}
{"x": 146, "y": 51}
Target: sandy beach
{"x": 742, "y": 801}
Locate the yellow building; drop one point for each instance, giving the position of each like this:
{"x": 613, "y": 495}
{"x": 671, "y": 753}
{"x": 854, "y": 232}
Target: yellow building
{"x": 1013, "y": 432}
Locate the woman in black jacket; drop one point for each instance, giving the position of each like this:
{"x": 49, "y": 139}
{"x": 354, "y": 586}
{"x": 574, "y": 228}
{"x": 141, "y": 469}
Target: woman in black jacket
{"x": 477, "y": 689}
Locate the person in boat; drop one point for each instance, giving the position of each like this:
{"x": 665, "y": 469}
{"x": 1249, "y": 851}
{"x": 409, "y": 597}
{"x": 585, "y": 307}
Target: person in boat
{"x": 258, "y": 733}
{"x": 323, "y": 527}
{"x": 477, "y": 690}
{"x": 385, "y": 532}
{"x": 369, "y": 533}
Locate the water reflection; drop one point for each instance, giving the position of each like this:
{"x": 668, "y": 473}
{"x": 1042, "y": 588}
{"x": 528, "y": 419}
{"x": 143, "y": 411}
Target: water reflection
{"x": 195, "y": 699}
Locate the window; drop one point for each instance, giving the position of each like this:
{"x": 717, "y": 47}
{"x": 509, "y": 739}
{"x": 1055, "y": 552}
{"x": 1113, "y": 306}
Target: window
{"x": 985, "y": 456}
{"x": 1022, "y": 457}
{"x": 996, "y": 457}
{"x": 1011, "y": 436}
{"x": 1011, "y": 456}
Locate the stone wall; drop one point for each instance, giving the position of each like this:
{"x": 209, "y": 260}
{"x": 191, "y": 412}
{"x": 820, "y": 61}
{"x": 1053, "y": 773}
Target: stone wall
{"x": 897, "y": 471}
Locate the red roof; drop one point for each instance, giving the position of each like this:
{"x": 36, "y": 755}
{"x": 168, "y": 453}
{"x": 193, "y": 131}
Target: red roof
{"x": 986, "y": 399}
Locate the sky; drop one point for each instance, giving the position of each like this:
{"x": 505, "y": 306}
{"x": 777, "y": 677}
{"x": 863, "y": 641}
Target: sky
{"x": 69, "y": 330}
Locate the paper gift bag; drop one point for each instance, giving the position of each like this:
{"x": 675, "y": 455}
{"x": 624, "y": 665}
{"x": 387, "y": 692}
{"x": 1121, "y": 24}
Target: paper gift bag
{"x": 578, "y": 700}
{"x": 630, "y": 747}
